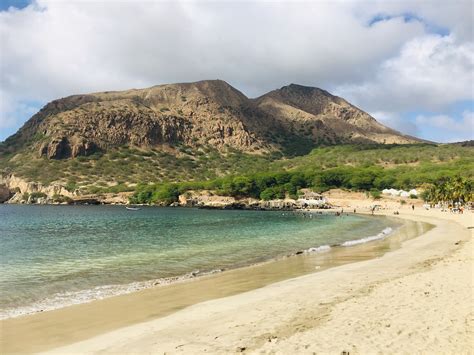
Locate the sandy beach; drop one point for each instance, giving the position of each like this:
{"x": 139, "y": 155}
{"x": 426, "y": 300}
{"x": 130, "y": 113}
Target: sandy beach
{"x": 418, "y": 298}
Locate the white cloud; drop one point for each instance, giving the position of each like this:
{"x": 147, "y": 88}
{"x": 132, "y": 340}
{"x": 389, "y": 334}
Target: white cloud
{"x": 429, "y": 73}
{"x": 57, "y": 48}
{"x": 447, "y": 127}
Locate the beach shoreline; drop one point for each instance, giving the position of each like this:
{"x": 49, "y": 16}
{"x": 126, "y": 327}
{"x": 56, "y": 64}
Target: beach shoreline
{"x": 108, "y": 340}
{"x": 62, "y": 300}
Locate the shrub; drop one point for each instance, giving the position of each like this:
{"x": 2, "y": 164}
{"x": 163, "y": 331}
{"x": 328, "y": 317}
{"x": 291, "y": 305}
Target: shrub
{"x": 272, "y": 193}
{"x": 37, "y": 195}
{"x": 71, "y": 186}
{"x": 61, "y": 198}
{"x": 119, "y": 188}
{"x": 166, "y": 194}
{"x": 376, "y": 195}
{"x": 94, "y": 189}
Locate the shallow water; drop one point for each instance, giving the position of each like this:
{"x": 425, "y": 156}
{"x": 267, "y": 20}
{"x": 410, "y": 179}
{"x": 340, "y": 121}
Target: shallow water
{"x": 52, "y": 256}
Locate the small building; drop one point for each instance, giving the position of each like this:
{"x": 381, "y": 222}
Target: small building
{"x": 311, "y": 199}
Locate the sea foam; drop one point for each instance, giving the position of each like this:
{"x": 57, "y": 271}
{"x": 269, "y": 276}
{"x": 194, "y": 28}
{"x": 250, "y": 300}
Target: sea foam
{"x": 381, "y": 235}
{"x": 320, "y": 249}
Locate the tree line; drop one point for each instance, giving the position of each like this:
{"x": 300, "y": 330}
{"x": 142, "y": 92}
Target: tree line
{"x": 274, "y": 185}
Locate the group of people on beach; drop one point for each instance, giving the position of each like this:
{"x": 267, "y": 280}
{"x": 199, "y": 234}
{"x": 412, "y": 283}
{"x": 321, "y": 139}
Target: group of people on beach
{"x": 459, "y": 209}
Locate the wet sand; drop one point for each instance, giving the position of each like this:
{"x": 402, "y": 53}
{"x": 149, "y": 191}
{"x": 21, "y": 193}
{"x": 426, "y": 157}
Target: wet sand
{"x": 72, "y": 324}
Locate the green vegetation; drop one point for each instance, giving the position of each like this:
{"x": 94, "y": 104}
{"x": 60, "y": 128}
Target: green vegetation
{"x": 160, "y": 175}
{"x": 71, "y": 186}
{"x": 273, "y": 185}
{"x": 385, "y": 155}
{"x": 450, "y": 190}
{"x": 37, "y": 195}
{"x": 61, "y": 199}
{"x": 128, "y": 165}
{"x": 376, "y": 194}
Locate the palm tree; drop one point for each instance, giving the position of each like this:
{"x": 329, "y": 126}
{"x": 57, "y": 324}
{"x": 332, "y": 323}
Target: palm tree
{"x": 450, "y": 190}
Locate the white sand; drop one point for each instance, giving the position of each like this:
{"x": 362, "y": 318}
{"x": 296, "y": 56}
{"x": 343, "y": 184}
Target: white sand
{"x": 416, "y": 299}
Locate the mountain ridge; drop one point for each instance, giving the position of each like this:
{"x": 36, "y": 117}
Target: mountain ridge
{"x": 196, "y": 113}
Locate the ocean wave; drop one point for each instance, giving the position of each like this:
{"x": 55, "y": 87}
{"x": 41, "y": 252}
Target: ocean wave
{"x": 64, "y": 299}
{"x": 381, "y": 235}
{"x": 320, "y": 249}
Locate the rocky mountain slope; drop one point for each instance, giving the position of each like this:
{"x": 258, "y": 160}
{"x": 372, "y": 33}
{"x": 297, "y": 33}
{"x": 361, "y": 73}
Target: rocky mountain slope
{"x": 211, "y": 113}
{"x": 177, "y": 132}
{"x": 322, "y": 117}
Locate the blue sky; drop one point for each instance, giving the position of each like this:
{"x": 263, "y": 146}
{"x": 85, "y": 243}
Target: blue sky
{"x": 410, "y": 17}
{"x": 19, "y": 4}
{"x": 408, "y": 63}
{"x": 450, "y": 122}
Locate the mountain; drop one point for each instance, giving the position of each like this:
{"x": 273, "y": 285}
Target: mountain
{"x": 206, "y": 112}
{"x": 177, "y": 132}
{"x": 322, "y": 117}
{"x": 203, "y": 113}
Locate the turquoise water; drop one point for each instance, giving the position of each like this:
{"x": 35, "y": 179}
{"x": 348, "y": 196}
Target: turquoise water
{"x": 53, "y": 256}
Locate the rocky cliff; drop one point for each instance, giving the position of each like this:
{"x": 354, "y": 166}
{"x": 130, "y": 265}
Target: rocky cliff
{"x": 17, "y": 190}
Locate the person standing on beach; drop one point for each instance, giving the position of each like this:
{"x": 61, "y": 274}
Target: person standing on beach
{"x": 412, "y": 207}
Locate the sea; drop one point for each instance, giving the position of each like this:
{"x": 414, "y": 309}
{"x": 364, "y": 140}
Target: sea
{"x": 55, "y": 256}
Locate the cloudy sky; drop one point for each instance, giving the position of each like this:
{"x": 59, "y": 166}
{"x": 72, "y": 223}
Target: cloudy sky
{"x": 408, "y": 63}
